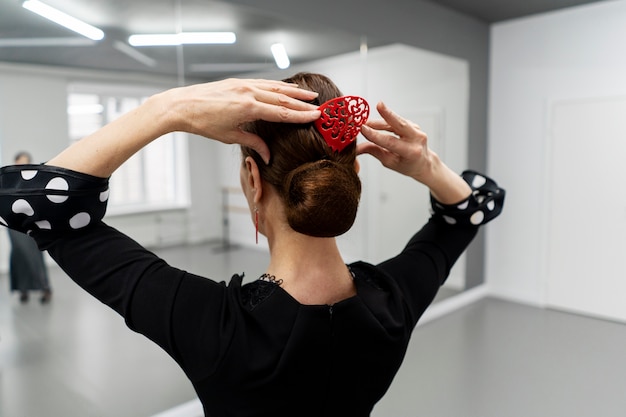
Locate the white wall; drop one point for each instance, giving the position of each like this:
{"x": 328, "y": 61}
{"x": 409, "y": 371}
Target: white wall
{"x": 577, "y": 53}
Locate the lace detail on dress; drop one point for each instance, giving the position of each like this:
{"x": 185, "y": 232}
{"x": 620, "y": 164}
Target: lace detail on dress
{"x": 271, "y": 278}
{"x": 256, "y": 292}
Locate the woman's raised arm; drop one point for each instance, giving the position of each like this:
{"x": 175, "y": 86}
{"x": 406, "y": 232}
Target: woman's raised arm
{"x": 215, "y": 110}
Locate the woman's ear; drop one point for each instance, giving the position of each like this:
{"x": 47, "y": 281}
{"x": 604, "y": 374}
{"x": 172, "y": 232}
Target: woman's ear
{"x": 357, "y": 165}
{"x": 253, "y": 179}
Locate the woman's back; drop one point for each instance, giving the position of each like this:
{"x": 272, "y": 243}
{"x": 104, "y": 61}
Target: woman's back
{"x": 284, "y": 358}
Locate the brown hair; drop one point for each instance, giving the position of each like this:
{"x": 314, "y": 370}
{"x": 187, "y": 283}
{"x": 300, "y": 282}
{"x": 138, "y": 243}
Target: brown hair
{"x": 319, "y": 187}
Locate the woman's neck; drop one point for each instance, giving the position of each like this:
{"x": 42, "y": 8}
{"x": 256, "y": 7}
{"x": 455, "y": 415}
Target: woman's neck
{"x": 311, "y": 269}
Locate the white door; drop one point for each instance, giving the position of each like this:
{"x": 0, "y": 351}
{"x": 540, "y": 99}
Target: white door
{"x": 586, "y": 257}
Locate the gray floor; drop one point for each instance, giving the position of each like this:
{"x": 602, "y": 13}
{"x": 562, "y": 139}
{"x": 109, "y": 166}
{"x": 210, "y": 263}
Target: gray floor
{"x": 75, "y": 358}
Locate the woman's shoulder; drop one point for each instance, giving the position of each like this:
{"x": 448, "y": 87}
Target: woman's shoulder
{"x": 254, "y": 293}
{"x": 367, "y": 274}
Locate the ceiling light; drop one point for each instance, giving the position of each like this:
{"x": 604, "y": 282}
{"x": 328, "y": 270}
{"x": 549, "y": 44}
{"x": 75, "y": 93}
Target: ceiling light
{"x": 43, "y": 42}
{"x": 232, "y": 67}
{"x": 63, "y": 19}
{"x": 183, "y": 38}
{"x": 280, "y": 55}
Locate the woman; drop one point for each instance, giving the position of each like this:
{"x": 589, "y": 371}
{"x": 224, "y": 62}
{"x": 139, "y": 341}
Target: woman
{"x": 27, "y": 267}
{"x": 312, "y": 336}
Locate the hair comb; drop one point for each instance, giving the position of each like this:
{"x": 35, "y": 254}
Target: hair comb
{"x": 341, "y": 120}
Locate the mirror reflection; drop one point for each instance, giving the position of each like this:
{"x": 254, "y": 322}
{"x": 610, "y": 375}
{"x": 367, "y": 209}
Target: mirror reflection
{"x": 165, "y": 196}
{"x": 112, "y": 76}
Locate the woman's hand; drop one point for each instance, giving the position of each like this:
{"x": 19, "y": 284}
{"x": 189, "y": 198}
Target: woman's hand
{"x": 217, "y": 110}
{"x": 402, "y": 146}
{"x": 398, "y": 144}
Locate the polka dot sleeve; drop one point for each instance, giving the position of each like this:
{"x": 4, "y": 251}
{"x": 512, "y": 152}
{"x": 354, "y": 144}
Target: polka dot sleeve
{"x": 483, "y": 205}
{"x": 47, "y": 201}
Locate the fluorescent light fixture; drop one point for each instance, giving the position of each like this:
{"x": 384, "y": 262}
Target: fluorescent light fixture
{"x": 44, "y": 42}
{"x": 233, "y": 67}
{"x": 63, "y": 19}
{"x": 280, "y": 55}
{"x": 182, "y": 38}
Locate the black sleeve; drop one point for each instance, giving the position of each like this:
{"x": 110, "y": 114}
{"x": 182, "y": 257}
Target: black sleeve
{"x": 46, "y": 201}
{"x": 179, "y": 311}
{"x": 63, "y": 210}
{"x": 425, "y": 263}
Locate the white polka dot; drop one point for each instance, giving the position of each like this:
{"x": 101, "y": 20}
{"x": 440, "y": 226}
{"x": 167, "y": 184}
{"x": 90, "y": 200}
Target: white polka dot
{"x": 449, "y": 220}
{"x": 478, "y": 181}
{"x": 80, "y": 220}
{"x": 4, "y": 223}
{"x": 491, "y": 205}
{"x": 463, "y": 205}
{"x": 477, "y": 218}
{"x": 57, "y": 198}
{"x": 104, "y": 196}
{"x": 28, "y": 174}
{"x": 22, "y": 207}
{"x": 57, "y": 183}
{"x": 44, "y": 224}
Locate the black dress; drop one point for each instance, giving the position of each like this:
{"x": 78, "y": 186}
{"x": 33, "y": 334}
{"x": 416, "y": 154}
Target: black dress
{"x": 249, "y": 350}
{"x": 27, "y": 267}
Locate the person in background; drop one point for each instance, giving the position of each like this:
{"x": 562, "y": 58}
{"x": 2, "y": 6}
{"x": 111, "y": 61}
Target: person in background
{"x": 27, "y": 268}
{"x": 312, "y": 335}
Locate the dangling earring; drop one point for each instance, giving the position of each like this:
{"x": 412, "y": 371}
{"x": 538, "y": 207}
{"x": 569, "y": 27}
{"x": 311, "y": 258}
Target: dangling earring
{"x": 256, "y": 224}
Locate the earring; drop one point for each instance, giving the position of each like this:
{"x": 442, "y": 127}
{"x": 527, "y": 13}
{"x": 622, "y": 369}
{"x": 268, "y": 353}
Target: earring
{"x": 256, "y": 224}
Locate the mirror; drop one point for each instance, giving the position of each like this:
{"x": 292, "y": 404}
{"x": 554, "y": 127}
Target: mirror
{"x": 41, "y": 63}
{"x": 358, "y": 64}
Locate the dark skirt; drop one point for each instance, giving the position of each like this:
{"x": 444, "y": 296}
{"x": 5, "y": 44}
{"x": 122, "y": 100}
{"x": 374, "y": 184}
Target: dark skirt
{"x": 27, "y": 269}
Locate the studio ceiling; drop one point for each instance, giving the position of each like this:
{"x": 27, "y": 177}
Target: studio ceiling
{"x": 30, "y": 39}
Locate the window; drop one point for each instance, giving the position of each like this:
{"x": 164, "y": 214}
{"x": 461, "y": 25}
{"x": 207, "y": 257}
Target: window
{"x": 153, "y": 178}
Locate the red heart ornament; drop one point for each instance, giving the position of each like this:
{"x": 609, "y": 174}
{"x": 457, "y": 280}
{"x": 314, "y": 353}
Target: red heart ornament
{"x": 341, "y": 120}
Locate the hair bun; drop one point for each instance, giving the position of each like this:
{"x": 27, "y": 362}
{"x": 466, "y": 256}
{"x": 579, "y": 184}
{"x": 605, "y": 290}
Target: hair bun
{"x": 322, "y": 198}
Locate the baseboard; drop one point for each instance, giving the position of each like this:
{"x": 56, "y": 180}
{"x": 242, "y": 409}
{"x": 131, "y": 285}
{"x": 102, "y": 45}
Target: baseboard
{"x": 451, "y": 304}
{"x": 191, "y": 408}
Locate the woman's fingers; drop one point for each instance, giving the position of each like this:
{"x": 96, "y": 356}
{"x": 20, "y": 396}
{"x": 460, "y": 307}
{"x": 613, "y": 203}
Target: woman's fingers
{"x": 397, "y": 143}
{"x": 273, "y": 101}
{"x": 290, "y": 100}
{"x": 379, "y": 124}
{"x": 276, "y": 113}
{"x": 383, "y": 155}
{"x": 387, "y": 141}
{"x": 295, "y": 97}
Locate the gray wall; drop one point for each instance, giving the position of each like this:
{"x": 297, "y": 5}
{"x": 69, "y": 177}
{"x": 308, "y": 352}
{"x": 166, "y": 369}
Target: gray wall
{"x": 424, "y": 25}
